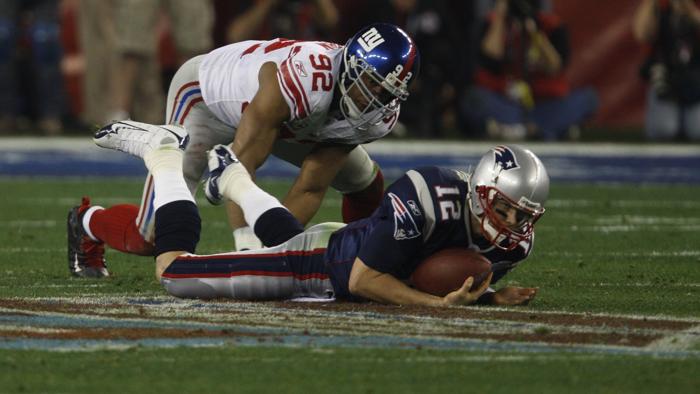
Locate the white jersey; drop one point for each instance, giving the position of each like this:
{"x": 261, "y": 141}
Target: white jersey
{"x": 307, "y": 72}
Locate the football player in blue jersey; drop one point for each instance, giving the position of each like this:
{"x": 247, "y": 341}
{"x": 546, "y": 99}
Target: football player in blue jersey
{"x": 492, "y": 210}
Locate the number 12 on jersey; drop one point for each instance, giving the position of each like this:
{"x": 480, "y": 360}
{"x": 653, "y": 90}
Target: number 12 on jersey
{"x": 449, "y": 208}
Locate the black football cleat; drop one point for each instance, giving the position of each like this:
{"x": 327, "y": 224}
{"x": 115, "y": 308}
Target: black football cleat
{"x": 85, "y": 256}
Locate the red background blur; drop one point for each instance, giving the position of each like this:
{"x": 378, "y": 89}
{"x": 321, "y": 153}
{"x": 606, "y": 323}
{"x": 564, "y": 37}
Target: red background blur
{"x": 604, "y": 54}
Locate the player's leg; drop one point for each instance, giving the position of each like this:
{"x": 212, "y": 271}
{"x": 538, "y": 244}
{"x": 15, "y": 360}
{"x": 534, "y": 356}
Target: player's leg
{"x": 228, "y": 178}
{"x": 362, "y": 183}
{"x": 185, "y": 107}
{"x": 295, "y": 268}
{"x": 161, "y": 147}
{"x": 123, "y": 227}
{"x": 130, "y": 228}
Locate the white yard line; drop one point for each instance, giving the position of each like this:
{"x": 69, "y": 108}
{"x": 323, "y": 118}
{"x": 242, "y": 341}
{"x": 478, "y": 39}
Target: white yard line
{"x": 684, "y": 340}
{"x": 28, "y": 223}
{"x": 581, "y": 203}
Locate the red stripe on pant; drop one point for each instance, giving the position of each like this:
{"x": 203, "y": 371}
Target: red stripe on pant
{"x": 177, "y": 97}
{"x": 189, "y": 107}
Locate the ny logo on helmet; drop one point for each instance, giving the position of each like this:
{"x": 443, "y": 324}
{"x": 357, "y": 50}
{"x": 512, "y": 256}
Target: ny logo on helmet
{"x": 370, "y": 39}
{"x": 505, "y": 158}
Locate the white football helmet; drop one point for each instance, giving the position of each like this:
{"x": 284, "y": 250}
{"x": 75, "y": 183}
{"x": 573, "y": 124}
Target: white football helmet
{"x": 508, "y": 177}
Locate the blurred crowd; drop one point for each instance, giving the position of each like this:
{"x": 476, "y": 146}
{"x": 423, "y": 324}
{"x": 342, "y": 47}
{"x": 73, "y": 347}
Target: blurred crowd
{"x": 491, "y": 68}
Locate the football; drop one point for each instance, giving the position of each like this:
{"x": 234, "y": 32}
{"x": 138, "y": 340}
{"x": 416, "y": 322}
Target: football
{"x": 446, "y": 270}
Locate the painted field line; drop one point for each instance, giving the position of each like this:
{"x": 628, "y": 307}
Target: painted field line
{"x": 597, "y": 314}
{"x": 28, "y": 223}
{"x": 683, "y": 340}
{"x": 313, "y": 329}
{"x": 646, "y": 220}
{"x": 580, "y": 203}
{"x": 645, "y": 284}
{"x": 54, "y": 286}
{"x": 653, "y": 253}
{"x": 342, "y": 341}
{"x": 171, "y": 302}
{"x": 26, "y": 249}
{"x": 623, "y": 228}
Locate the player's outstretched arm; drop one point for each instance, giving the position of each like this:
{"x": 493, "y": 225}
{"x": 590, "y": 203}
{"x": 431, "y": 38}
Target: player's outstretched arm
{"x": 381, "y": 287}
{"x": 261, "y": 121}
{"x": 258, "y": 130}
{"x": 317, "y": 172}
{"x": 377, "y": 286}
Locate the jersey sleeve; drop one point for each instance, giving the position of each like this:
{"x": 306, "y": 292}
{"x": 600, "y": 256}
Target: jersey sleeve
{"x": 306, "y": 79}
{"x": 396, "y": 239}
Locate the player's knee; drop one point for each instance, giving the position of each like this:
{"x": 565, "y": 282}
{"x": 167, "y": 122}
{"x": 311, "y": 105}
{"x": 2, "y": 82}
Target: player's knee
{"x": 178, "y": 227}
{"x": 361, "y": 204}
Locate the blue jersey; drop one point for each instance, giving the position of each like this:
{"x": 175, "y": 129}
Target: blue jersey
{"x": 423, "y": 212}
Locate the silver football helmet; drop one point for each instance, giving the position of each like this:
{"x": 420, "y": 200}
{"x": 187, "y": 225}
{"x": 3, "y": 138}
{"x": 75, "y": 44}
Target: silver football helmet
{"x": 507, "y": 192}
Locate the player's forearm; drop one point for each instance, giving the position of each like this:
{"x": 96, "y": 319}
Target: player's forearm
{"x": 303, "y": 204}
{"x": 389, "y": 290}
{"x": 252, "y": 149}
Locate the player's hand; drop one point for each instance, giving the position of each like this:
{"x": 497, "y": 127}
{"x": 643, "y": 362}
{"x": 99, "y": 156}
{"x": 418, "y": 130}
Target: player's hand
{"x": 465, "y": 297}
{"x": 514, "y": 296}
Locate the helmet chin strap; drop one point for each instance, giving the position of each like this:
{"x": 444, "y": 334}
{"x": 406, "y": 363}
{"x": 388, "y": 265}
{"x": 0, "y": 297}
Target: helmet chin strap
{"x": 487, "y": 230}
{"x": 352, "y": 110}
{"x": 490, "y": 232}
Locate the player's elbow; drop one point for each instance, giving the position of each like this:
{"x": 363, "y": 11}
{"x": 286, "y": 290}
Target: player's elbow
{"x": 355, "y": 285}
{"x": 358, "y": 282}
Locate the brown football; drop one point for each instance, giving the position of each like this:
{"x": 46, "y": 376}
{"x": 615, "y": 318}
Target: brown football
{"x": 446, "y": 270}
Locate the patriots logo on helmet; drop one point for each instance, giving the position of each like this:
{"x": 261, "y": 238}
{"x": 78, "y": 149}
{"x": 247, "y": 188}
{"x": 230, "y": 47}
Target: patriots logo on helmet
{"x": 404, "y": 225}
{"x": 505, "y": 158}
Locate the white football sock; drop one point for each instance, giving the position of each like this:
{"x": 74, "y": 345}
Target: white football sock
{"x": 168, "y": 182}
{"x": 86, "y": 221}
{"x": 246, "y": 239}
{"x": 236, "y": 185}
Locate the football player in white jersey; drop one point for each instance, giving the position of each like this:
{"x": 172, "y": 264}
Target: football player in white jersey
{"x": 311, "y": 104}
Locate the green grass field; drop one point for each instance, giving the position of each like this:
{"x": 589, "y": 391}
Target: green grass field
{"x": 617, "y": 249}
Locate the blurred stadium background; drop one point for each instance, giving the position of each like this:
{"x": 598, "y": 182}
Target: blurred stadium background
{"x": 76, "y": 36}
